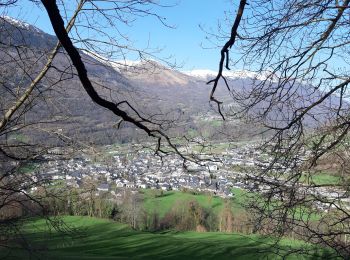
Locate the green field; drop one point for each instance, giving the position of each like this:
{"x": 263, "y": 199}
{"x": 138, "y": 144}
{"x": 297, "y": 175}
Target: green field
{"x": 28, "y": 168}
{"x": 321, "y": 178}
{"x": 104, "y": 239}
{"x": 162, "y": 204}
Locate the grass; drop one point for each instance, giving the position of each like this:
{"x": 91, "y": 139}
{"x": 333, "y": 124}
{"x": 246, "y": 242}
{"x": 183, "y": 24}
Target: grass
{"x": 216, "y": 123}
{"x": 322, "y": 178}
{"x": 28, "y": 168}
{"x": 104, "y": 239}
{"x": 301, "y": 213}
{"x": 155, "y": 201}
{"x": 162, "y": 204}
{"x": 19, "y": 137}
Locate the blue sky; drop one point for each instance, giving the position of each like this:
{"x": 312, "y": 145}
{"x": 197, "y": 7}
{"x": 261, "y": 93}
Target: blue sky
{"x": 183, "y": 43}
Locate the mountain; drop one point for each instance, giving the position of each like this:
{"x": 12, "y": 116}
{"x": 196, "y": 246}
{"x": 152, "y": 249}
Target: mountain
{"x": 15, "y": 32}
{"x": 179, "y": 99}
{"x": 61, "y": 105}
{"x": 58, "y": 103}
{"x": 205, "y": 74}
{"x": 150, "y": 72}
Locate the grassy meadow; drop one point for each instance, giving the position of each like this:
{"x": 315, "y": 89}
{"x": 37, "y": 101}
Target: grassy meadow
{"x": 93, "y": 238}
{"x": 153, "y": 201}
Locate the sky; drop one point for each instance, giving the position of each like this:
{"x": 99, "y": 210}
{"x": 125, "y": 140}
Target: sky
{"x": 184, "y": 42}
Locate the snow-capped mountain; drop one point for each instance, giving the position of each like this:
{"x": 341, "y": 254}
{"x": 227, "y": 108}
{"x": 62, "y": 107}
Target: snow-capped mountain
{"x": 154, "y": 88}
{"x": 205, "y": 74}
{"x": 202, "y": 73}
{"x": 13, "y": 31}
{"x": 146, "y": 71}
{"x": 20, "y": 24}
{"x": 150, "y": 86}
{"x": 117, "y": 65}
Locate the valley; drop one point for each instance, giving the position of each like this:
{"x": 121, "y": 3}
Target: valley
{"x": 107, "y": 157}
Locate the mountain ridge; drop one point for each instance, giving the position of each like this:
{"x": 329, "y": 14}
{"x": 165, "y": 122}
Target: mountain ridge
{"x": 153, "y": 89}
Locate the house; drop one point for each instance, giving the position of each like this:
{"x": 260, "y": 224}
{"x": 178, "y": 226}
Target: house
{"x": 165, "y": 186}
{"x": 212, "y": 167}
{"x": 143, "y": 186}
{"x": 129, "y": 184}
{"x": 228, "y": 194}
{"x": 76, "y": 175}
{"x": 119, "y": 183}
{"x": 103, "y": 187}
{"x": 176, "y": 186}
{"x": 57, "y": 177}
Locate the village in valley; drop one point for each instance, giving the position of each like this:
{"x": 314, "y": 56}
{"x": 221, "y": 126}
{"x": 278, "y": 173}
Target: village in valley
{"x": 144, "y": 170}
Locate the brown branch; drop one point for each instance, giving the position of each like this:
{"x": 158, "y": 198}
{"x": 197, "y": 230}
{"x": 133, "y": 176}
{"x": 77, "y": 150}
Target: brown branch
{"x": 225, "y": 53}
{"x": 8, "y": 115}
{"x": 58, "y": 26}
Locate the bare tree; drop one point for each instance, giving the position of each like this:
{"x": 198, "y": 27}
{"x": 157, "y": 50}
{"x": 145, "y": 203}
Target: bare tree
{"x": 23, "y": 87}
{"x": 299, "y": 54}
{"x": 34, "y": 73}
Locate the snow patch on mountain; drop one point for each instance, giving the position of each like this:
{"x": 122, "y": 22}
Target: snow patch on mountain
{"x": 136, "y": 66}
{"x": 20, "y": 24}
{"x": 210, "y": 74}
{"x": 115, "y": 64}
{"x": 203, "y": 73}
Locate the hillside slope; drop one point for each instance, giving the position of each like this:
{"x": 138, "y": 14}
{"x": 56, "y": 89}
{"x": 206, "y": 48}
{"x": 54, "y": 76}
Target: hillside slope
{"x": 104, "y": 239}
{"x": 155, "y": 90}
